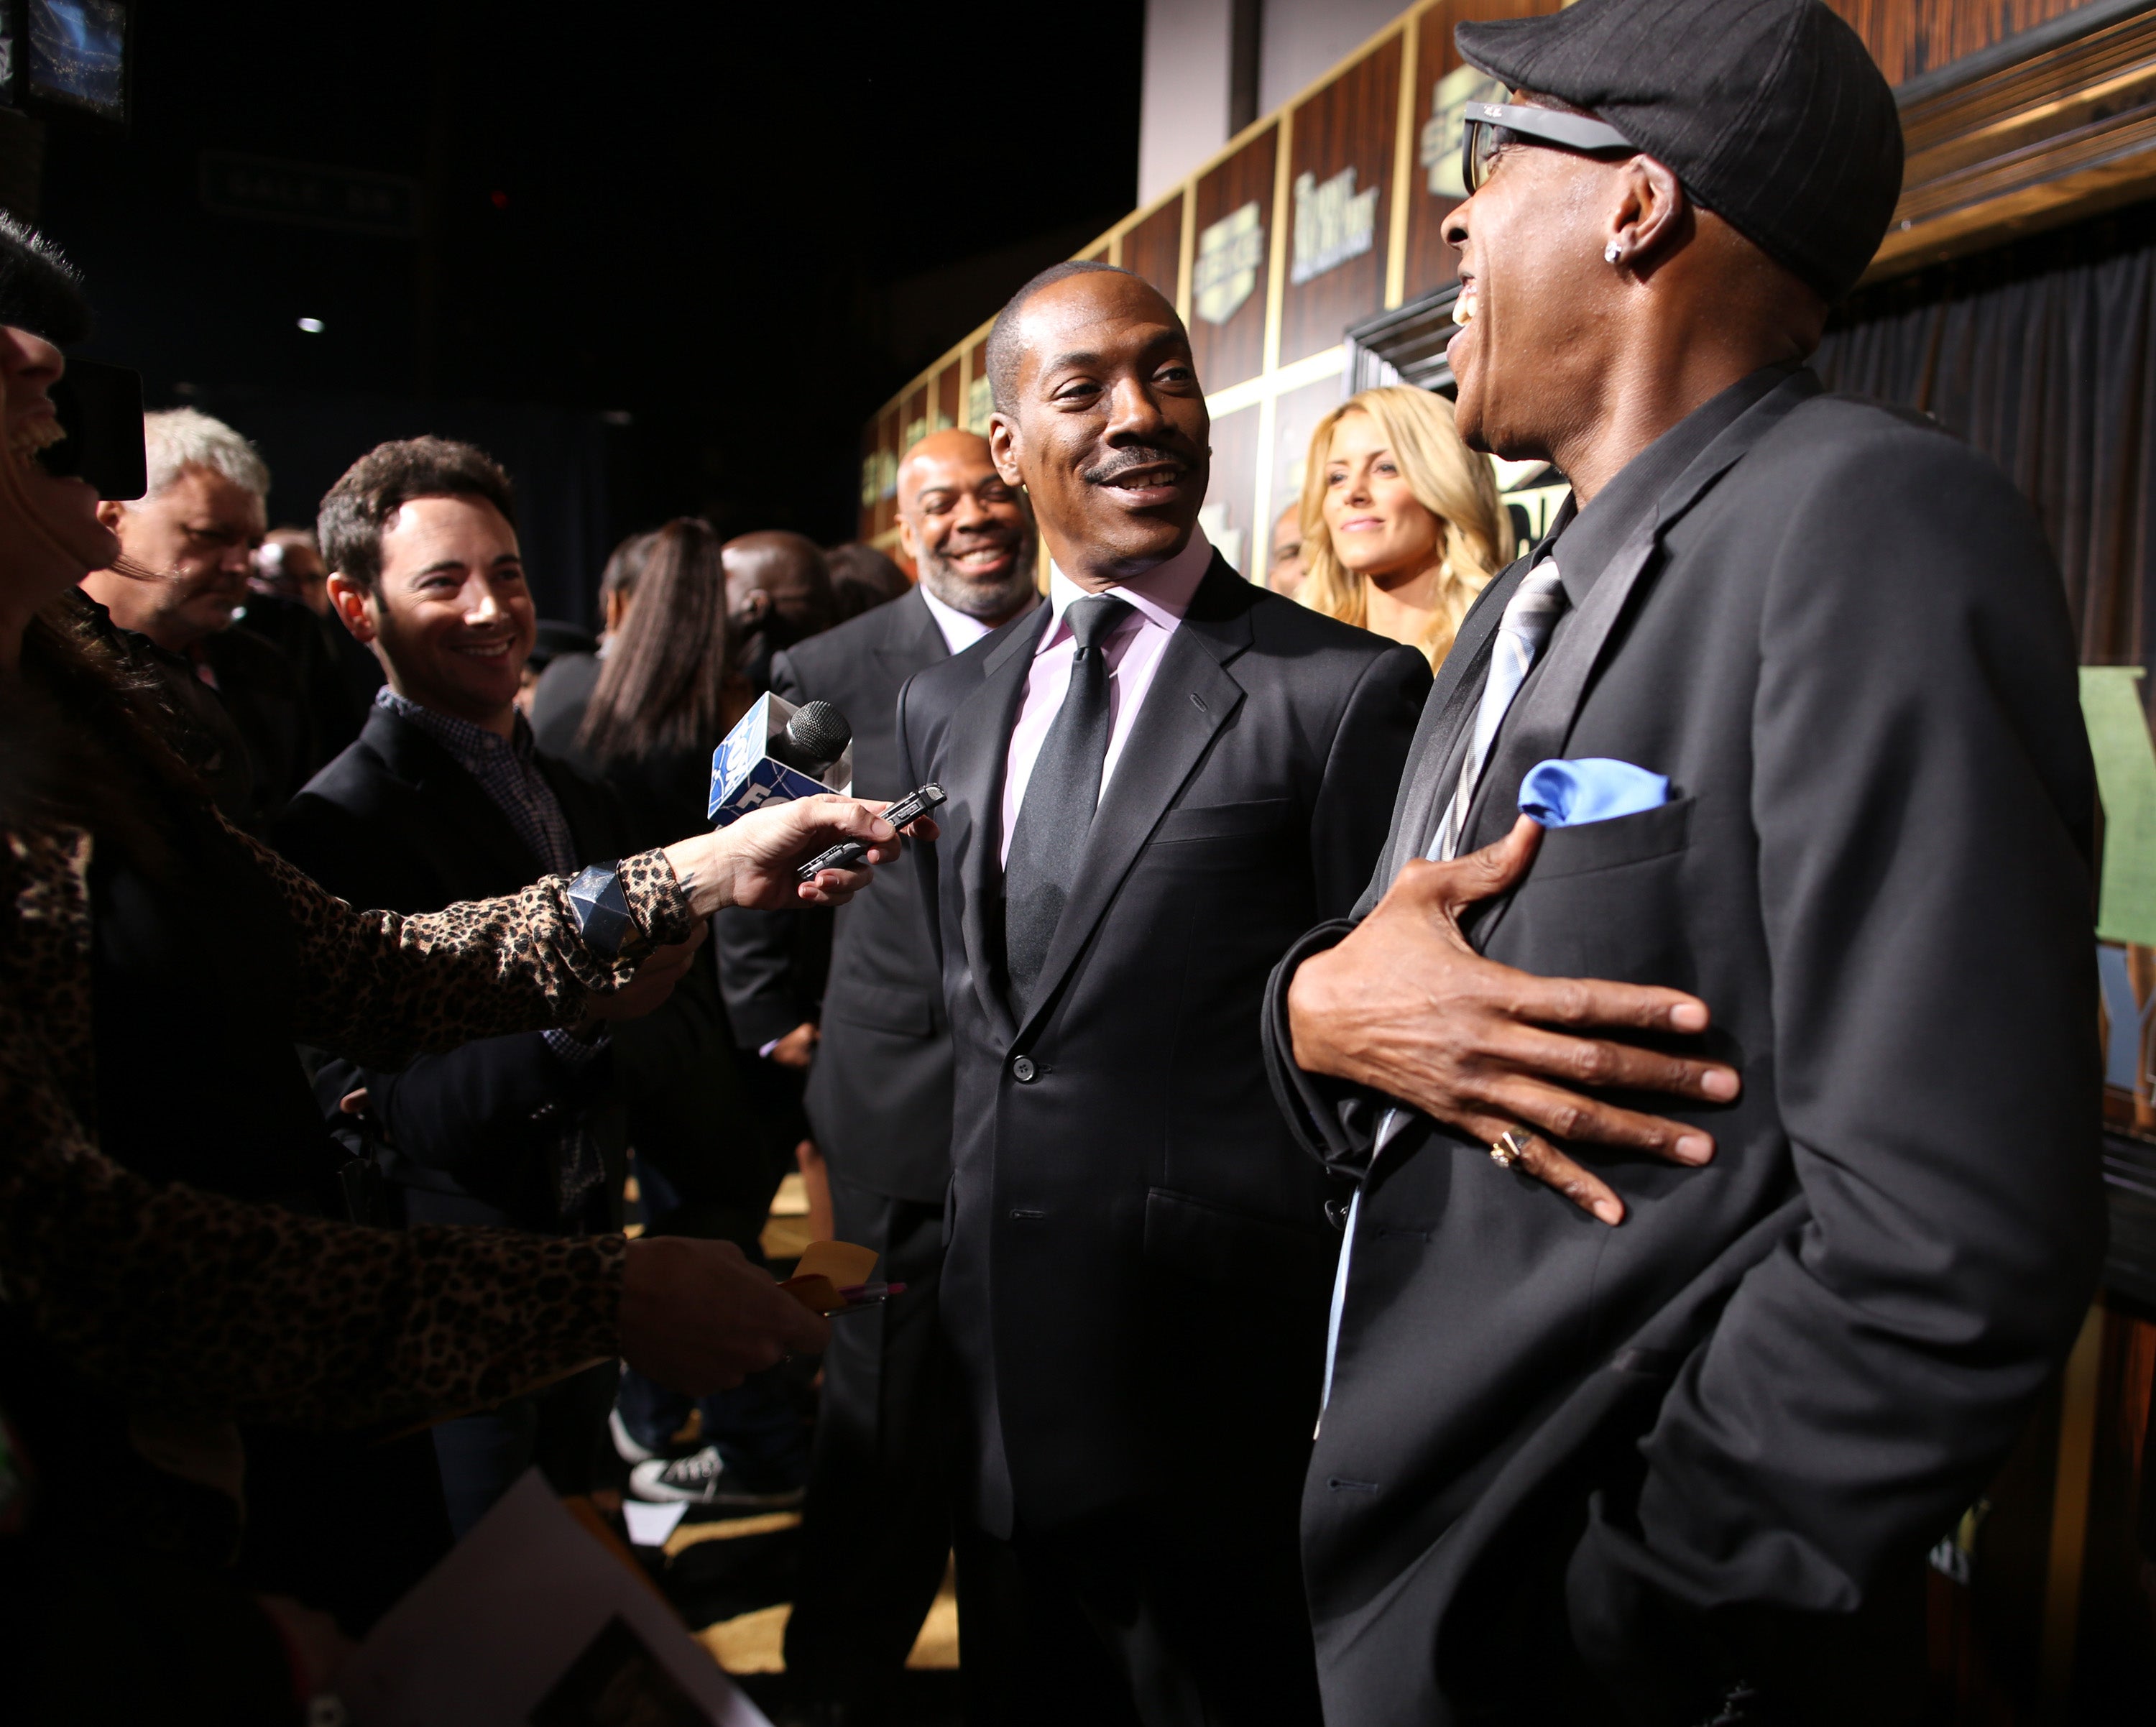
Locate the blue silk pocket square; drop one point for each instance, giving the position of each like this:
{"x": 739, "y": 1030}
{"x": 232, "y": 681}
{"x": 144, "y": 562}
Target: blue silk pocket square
{"x": 1565, "y": 794}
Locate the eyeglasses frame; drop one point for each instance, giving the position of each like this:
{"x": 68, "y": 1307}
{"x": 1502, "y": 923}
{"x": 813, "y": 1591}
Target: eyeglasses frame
{"x": 1576, "y": 132}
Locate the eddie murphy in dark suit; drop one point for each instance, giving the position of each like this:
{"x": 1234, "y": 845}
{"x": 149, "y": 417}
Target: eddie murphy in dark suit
{"x": 1153, "y": 780}
{"x": 877, "y": 1526}
{"x": 1687, "y": 1468}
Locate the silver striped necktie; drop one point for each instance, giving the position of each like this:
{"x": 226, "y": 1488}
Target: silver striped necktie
{"x": 1522, "y": 633}
{"x": 1530, "y": 615}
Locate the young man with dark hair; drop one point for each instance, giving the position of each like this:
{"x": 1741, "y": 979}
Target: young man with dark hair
{"x": 442, "y": 798}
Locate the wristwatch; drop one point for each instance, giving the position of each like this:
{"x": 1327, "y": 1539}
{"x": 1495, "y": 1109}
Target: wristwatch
{"x": 601, "y": 909}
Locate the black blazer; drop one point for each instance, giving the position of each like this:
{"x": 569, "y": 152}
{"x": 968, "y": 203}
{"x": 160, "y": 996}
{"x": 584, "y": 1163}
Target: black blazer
{"x": 1562, "y": 1460}
{"x": 1138, "y": 1256}
{"x": 878, "y": 1096}
{"x": 395, "y": 823}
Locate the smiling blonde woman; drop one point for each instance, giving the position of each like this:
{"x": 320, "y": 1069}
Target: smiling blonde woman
{"x": 1402, "y": 526}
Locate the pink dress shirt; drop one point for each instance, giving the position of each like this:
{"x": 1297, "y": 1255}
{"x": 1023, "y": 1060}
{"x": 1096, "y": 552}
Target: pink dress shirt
{"x": 1159, "y": 600}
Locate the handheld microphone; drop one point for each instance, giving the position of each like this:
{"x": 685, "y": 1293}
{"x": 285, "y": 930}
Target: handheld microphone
{"x": 779, "y": 751}
{"x": 815, "y": 737}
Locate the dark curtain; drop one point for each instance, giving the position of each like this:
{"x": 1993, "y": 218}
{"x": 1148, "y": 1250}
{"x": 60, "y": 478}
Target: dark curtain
{"x": 556, "y": 456}
{"x": 2040, "y": 354}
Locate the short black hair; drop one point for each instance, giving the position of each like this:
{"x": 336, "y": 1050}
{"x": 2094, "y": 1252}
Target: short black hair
{"x": 357, "y": 508}
{"x": 40, "y": 291}
{"x": 1003, "y": 351}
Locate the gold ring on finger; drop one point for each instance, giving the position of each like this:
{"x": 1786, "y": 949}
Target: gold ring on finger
{"x": 1509, "y": 1148}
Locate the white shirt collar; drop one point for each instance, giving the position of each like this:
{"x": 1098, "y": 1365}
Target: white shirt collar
{"x": 960, "y": 632}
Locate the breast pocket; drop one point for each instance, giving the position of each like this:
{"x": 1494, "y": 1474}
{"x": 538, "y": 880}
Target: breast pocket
{"x": 1258, "y": 819}
{"x": 1610, "y": 844}
{"x": 1607, "y": 899}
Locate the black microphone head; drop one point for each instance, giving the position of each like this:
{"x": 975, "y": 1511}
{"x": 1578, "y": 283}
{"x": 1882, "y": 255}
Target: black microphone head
{"x": 819, "y": 733}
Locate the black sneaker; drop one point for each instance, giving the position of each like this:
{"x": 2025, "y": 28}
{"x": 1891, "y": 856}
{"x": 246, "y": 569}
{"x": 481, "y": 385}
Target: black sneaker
{"x": 703, "y": 1479}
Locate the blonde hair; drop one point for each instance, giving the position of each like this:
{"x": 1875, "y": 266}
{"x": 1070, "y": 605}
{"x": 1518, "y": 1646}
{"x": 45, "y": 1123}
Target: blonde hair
{"x": 1447, "y": 478}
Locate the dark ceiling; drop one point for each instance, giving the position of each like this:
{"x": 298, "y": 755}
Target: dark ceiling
{"x": 693, "y": 214}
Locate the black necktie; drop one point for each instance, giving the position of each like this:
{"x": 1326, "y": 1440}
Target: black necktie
{"x": 1060, "y": 800}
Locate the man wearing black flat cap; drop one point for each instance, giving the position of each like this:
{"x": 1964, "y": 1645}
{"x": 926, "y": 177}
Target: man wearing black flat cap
{"x": 1667, "y": 1441}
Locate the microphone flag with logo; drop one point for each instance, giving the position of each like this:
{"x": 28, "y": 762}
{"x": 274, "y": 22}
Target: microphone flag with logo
{"x": 780, "y": 752}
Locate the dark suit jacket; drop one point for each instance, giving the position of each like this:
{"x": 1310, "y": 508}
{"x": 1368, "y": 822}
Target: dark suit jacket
{"x": 309, "y": 645}
{"x": 395, "y": 823}
{"x": 1562, "y": 1460}
{"x": 1138, "y": 1256}
{"x": 264, "y": 692}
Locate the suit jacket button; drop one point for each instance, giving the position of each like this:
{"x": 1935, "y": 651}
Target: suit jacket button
{"x": 1023, "y": 1070}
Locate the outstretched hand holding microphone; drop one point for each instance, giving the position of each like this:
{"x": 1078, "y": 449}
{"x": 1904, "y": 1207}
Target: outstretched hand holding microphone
{"x": 696, "y": 1316}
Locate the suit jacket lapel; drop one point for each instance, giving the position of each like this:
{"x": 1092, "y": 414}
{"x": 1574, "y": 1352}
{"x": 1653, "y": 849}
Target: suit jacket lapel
{"x": 1540, "y": 726}
{"x": 1542, "y": 719}
{"x": 1190, "y": 698}
{"x": 915, "y": 641}
{"x": 460, "y": 815}
{"x": 977, "y": 745}
{"x": 1441, "y": 736}
{"x": 595, "y": 824}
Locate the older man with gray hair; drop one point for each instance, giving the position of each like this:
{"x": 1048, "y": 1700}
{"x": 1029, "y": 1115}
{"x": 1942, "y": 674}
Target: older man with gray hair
{"x": 197, "y": 528}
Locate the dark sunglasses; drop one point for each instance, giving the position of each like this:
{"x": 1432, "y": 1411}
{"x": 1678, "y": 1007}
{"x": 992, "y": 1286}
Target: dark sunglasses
{"x": 1491, "y": 125}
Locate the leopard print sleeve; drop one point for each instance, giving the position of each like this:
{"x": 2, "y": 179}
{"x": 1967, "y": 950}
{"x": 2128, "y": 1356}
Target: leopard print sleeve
{"x": 381, "y": 988}
{"x": 205, "y": 1304}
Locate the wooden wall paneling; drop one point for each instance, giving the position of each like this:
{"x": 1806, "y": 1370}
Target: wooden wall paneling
{"x": 979, "y": 403}
{"x": 871, "y": 488}
{"x": 947, "y": 401}
{"x": 2055, "y": 136}
{"x": 886, "y": 510}
{"x": 1153, "y": 248}
{"x": 1294, "y": 414}
{"x": 1433, "y": 186}
{"x": 1338, "y": 217}
{"x": 913, "y": 419}
{"x": 1909, "y": 37}
{"x": 1400, "y": 200}
{"x": 1232, "y": 223}
{"x": 1231, "y": 493}
{"x": 1190, "y": 201}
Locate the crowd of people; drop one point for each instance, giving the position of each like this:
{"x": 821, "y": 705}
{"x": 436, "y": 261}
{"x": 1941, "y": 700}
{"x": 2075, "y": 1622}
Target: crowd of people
{"x": 1477, "y": 1137}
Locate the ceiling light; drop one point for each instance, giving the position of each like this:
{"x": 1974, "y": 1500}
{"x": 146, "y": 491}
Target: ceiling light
{"x": 313, "y": 327}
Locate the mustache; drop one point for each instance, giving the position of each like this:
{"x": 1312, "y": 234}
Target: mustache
{"x": 1135, "y": 456}
{"x": 981, "y": 540}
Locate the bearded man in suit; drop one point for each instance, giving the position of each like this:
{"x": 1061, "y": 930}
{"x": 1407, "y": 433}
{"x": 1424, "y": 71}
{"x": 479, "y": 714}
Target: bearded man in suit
{"x": 1813, "y": 657}
{"x": 1154, "y": 780}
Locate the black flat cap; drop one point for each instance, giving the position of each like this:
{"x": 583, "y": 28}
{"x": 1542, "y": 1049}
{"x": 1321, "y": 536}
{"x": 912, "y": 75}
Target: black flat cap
{"x": 1771, "y": 113}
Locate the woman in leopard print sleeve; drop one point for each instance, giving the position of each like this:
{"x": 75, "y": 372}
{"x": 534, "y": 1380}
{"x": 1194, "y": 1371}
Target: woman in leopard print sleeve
{"x": 190, "y": 1302}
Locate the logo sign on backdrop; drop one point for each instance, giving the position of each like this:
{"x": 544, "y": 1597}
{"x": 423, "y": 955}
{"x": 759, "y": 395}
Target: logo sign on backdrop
{"x": 1445, "y": 129}
{"x": 299, "y": 192}
{"x": 1225, "y": 273}
{"x": 1333, "y": 222}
